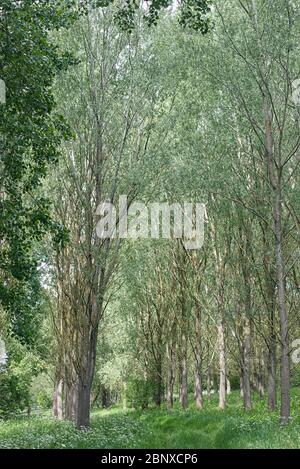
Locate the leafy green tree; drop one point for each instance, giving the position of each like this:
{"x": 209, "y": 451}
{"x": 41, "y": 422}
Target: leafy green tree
{"x": 30, "y": 136}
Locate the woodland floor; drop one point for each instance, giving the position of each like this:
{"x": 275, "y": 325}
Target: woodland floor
{"x": 116, "y": 428}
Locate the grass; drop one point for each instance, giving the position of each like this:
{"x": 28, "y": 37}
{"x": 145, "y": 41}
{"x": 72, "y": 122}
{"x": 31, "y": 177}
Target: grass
{"x": 116, "y": 428}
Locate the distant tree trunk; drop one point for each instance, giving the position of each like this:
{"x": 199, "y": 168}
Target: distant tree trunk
{"x": 241, "y": 385}
{"x": 183, "y": 357}
{"x": 220, "y": 262}
{"x": 171, "y": 373}
{"x": 272, "y": 367}
{"x": 270, "y": 286}
{"x": 275, "y": 169}
{"x": 261, "y": 377}
{"x": 246, "y": 365}
{"x": 158, "y": 383}
{"x": 105, "y": 397}
{"x": 198, "y": 389}
{"x": 179, "y": 376}
{"x": 284, "y": 331}
{"x": 184, "y": 371}
{"x": 222, "y": 364}
{"x": 198, "y": 359}
{"x": 245, "y": 256}
{"x": 228, "y": 386}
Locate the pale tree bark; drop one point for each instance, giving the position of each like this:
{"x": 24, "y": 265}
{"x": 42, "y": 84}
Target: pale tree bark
{"x": 58, "y": 399}
{"x": 184, "y": 371}
{"x": 228, "y": 386}
{"x": 222, "y": 364}
{"x": 220, "y": 262}
{"x": 246, "y": 372}
{"x": 198, "y": 359}
{"x": 180, "y": 259}
{"x": 171, "y": 355}
{"x": 198, "y": 265}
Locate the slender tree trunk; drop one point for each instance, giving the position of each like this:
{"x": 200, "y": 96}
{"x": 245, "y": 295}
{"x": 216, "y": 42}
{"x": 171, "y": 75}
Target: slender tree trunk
{"x": 274, "y": 170}
{"x": 272, "y": 359}
{"x": 198, "y": 388}
{"x": 272, "y": 399}
{"x": 105, "y": 397}
{"x": 158, "y": 384}
{"x": 245, "y": 249}
{"x": 171, "y": 375}
{"x": 198, "y": 359}
{"x": 284, "y": 333}
{"x": 184, "y": 371}
{"x": 222, "y": 364}
{"x": 241, "y": 384}
{"x": 228, "y": 386}
{"x": 220, "y": 283}
{"x": 179, "y": 376}
{"x": 246, "y": 365}
{"x": 262, "y": 375}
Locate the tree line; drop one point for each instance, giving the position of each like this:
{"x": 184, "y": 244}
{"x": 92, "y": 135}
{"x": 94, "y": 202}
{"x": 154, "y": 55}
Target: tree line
{"x": 202, "y": 113}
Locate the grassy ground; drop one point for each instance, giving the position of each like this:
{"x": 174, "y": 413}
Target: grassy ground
{"x": 116, "y": 428}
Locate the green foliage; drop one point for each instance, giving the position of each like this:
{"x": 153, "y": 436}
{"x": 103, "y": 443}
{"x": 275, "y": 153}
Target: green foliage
{"x": 15, "y": 379}
{"x": 41, "y": 391}
{"x": 139, "y": 393}
{"x": 30, "y": 137}
{"x": 235, "y": 382}
{"x": 13, "y": 397}
{"x": 194, "y": 15}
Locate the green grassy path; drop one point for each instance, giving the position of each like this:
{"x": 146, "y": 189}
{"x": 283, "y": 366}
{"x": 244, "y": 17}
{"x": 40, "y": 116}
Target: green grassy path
{"x": 116, "y": 428}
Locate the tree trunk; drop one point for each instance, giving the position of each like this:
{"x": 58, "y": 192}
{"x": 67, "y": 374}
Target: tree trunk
{"x": 184, "y": 372}
{"x": 272, "y": 359}
{"x": 241, "y": 384}
{"x": 171, "y": 375}
{"x": 275, "y": 175}
{"x": 105, "y": 397}
{"x": 272, "y": 399}
{"x": 85, "y": 379}
{"x": 198, "y": 360}
{"x": 228, "y": 386}
{"x": 198, "y": 388}
{"x": 158, "y": 385}
{"x": 284, "y": 333}
{"x": 261, "y": 378}
{"x": 70, "y": 400}
{"x": 58, "y": 400}
{"x": 222, "y": 365}
{"x": 246, "y": 365}
{"x": 208, "y": 385}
